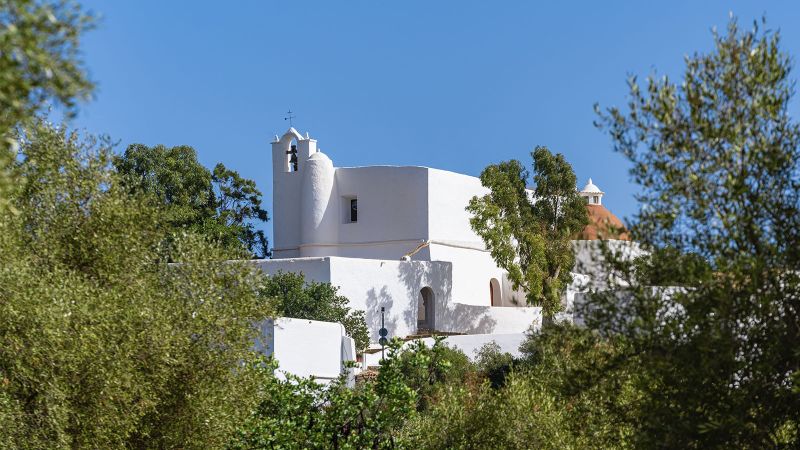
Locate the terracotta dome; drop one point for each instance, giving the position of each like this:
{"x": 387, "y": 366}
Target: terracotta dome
{"x": 603, "y": 224}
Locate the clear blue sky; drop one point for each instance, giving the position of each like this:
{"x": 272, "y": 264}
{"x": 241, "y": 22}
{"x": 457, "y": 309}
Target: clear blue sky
{"x": 453, "y": 85}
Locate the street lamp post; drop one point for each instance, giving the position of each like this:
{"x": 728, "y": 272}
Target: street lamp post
{"x": 383, "y": 332}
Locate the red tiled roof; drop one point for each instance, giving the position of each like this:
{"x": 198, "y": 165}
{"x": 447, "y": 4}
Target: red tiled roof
{"x": 603, "y": 224}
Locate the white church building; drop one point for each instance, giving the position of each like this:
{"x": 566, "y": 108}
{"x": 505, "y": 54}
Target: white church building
{"x": 399, "y": 238}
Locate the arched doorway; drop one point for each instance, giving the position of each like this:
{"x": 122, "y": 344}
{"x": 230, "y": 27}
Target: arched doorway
{"x": 494, "y": 292}
{"x": 425, "y": 310}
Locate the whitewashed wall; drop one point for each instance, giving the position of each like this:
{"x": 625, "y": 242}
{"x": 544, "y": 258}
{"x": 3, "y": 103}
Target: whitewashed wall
{"x": 472, "y": 271}
{"x": 319, "y": 215}
{"x": 471, "y": 319}
{"x": 453, "y": 240}
{"x": 395, "y": 285}
{"x": 370, "y": 284}
{"x": 314, "y": 269}
{"x": 590, "y": 261}
{"x": 449, "y": 194}
{"x": 392, "y": 211}
{"x": 286, "y": 186}
{"x": 398, "y": 207}
{"x": 307, "y": 348}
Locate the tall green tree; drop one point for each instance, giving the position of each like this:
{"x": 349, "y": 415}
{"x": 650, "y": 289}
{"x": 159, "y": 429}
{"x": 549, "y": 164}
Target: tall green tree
{"x": 716, "y": 156}
{"x": 103, "y": 343}
{"x": 529, "y": 235}
{"x": 221, "y": 205}
{"x": 39, "y": 62}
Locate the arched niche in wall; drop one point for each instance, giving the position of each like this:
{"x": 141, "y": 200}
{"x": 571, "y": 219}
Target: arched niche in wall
{"x": 425, "y": 310}
{"x": 494, "y": 292}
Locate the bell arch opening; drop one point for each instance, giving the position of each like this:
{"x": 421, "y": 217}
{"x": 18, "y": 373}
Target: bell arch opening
{"x": 291, "y": 157}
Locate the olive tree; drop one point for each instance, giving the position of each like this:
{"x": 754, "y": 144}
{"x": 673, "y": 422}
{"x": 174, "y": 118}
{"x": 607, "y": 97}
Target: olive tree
{"x": 103, "y": 343}
{"x": 716, "y": 157}
{"x": 39, "y": 62}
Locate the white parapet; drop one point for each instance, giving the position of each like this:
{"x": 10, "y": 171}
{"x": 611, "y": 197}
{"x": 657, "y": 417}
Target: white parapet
{"x": 307, "y": 348}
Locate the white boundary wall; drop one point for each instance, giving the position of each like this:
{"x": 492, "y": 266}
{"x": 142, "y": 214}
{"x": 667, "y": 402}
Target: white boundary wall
{"x": 469, "y": 344}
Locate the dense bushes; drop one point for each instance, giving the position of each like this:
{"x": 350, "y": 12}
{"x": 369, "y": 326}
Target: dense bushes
{"x": 102, "y": 343}
{"x": 299, "y": 413}
{"x": 494, "y": 365}
{"x": 433, "y": 397}
{"x": 520, "y": 415}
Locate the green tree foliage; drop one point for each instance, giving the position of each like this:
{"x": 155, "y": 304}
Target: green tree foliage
{"x": 546, "y": 401}
{"x": 716, "y": 156}
{"x": 553, "y": 398}
{"x": 238, "y": 206}
{"x": 39, "y": 61}
{"x": 530, "y": 237}
{"x": 39, "y": 58}
{"x": 594, "y": 377}
{"x": 425, "y": 369}
{"x": 493, "y": 364}
{"x": 103, "y": 344}
{"x": 291, "y": 296}
{"x": 520, "y": 416}
{"x": 432, "y": 397}
{"x": 667, "y": 266}
{"x": 302, "y": 414}
{"x": 219, "y": 204}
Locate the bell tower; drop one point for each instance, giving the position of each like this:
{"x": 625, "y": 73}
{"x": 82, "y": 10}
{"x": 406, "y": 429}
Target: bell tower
{"x": 290, "y": 154}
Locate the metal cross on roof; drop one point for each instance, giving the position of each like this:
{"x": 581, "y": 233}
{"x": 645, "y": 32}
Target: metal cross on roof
{"x": 289, "y": 117}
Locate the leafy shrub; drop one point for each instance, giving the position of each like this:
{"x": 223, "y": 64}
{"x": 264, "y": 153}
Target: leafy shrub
{"x": 494, "y": 365}
{"x": 521, "y": 415}
{"x": 425, "y": 369}
{"x": 299, "y": 413}
{"x": 291, "y": 296}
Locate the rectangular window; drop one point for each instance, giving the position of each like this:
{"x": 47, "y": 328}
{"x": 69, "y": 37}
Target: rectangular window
{"x": 353, "y": 210}
{"x": 349, "y": 209}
